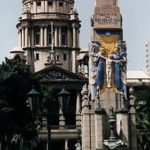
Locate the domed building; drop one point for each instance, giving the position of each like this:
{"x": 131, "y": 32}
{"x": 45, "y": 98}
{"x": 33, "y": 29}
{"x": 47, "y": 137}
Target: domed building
{"x": 49, "y": 32}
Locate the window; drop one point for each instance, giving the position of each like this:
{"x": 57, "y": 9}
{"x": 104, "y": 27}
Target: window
{"x": 50, "y": 3}
{"x": 65, "y": 56}
{"x": 37, "y": 36}
{"x": 38, "y": 3}
{"x": 37, "y": 56}
{"x": 64, "y": 36}
{"x": 57, "y": 57}
{"x": 50, "y": 35}
{"x": 60, "y": 4}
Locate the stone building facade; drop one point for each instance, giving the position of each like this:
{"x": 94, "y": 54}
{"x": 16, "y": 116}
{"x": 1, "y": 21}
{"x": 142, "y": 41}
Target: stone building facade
{"x": 48, "y": 31}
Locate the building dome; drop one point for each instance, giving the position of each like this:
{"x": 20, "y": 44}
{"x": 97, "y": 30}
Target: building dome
{"x": 17, "y": 51}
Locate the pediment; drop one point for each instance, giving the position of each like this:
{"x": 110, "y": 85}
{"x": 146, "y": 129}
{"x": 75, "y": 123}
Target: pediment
{"x": 58, "y": 74}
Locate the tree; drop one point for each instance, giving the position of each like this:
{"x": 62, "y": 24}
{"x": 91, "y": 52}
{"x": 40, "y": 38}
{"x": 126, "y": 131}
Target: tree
{"x": 143, "y": 118}
{"x": 17, "y": 126}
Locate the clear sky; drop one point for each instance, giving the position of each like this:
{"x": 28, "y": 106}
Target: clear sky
{"x": 136, "y": 26}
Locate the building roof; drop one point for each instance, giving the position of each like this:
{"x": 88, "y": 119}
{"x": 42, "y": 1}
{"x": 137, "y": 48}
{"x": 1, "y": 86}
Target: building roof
{"x": 16, "y": 50}
{"x": 83, "y": 53}
{"x": 138, "y": 78}
{"x": 58, "y": 76}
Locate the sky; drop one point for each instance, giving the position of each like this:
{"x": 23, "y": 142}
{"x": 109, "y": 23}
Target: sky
{"x": 136, "y": 27}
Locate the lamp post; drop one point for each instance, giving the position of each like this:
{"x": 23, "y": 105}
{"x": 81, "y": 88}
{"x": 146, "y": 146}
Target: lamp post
{"x": 63, "y": 99}
{"x": 33, "y": 99}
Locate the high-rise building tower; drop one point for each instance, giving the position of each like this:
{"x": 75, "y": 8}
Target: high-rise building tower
{"x": 49, "y": 33}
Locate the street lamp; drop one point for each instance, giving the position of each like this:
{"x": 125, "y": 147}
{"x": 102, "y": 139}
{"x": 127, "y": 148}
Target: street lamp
{"x": 63, "y": 99}
{"x": 33, "y": 99}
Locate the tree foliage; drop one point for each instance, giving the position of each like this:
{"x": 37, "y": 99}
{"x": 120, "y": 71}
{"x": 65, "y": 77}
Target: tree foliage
{"x": 143, "y": 118}
{"x": 16, "y": 81}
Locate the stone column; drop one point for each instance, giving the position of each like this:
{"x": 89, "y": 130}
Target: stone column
{"x": 78, "y": 111}
{"x": 43, "y": 5}
{"x": 42, "y": 36}
{"x": 46, "y": 6}
{"x": 86, "y": 128}
{"x": 77, "y": 38}
{"x": 45, "y": 36}
{"x": 56, "y": 36}
{"x": 99, "y": 125}
{"x": 74, "y": 37}
{"x": 22, "y": 31}
{"x": 26, "y": 37}
{"x": 60, "y": 36}
{"x": 34, "y": 7}
{"x": 66, "y": 144}
{"x": 32, "y": 37}
{"x": 19, "y": 38}
{"x": 132, "y": 112}
{"x": 68, "y": 38}
{"x": 74, "y": 61}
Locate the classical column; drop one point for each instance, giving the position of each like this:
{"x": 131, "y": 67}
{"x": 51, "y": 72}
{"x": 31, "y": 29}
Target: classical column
{"x": 45, "y": 36}
{"x": 66, "y": 144}
{"x": 22, "y": 34}
{"x": 32, "y": 37}
{"x": 26, "y": 37}
{"x": 56, "y": 36}
{"x": 19, "y": 39}
{"x": 60, "y": 36}
{"x": 77, "y": 39}
{"x": 34, "y": 7}
{"x": 78, "y": 110}
{"x": 74, "y": 37}
{"x": 74, "y": 61}
{"x": 68, "y": 37}
{"x": 43, "y": 5}
{"x": 42, "y": 36}
{"x": 46, "y": 6}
